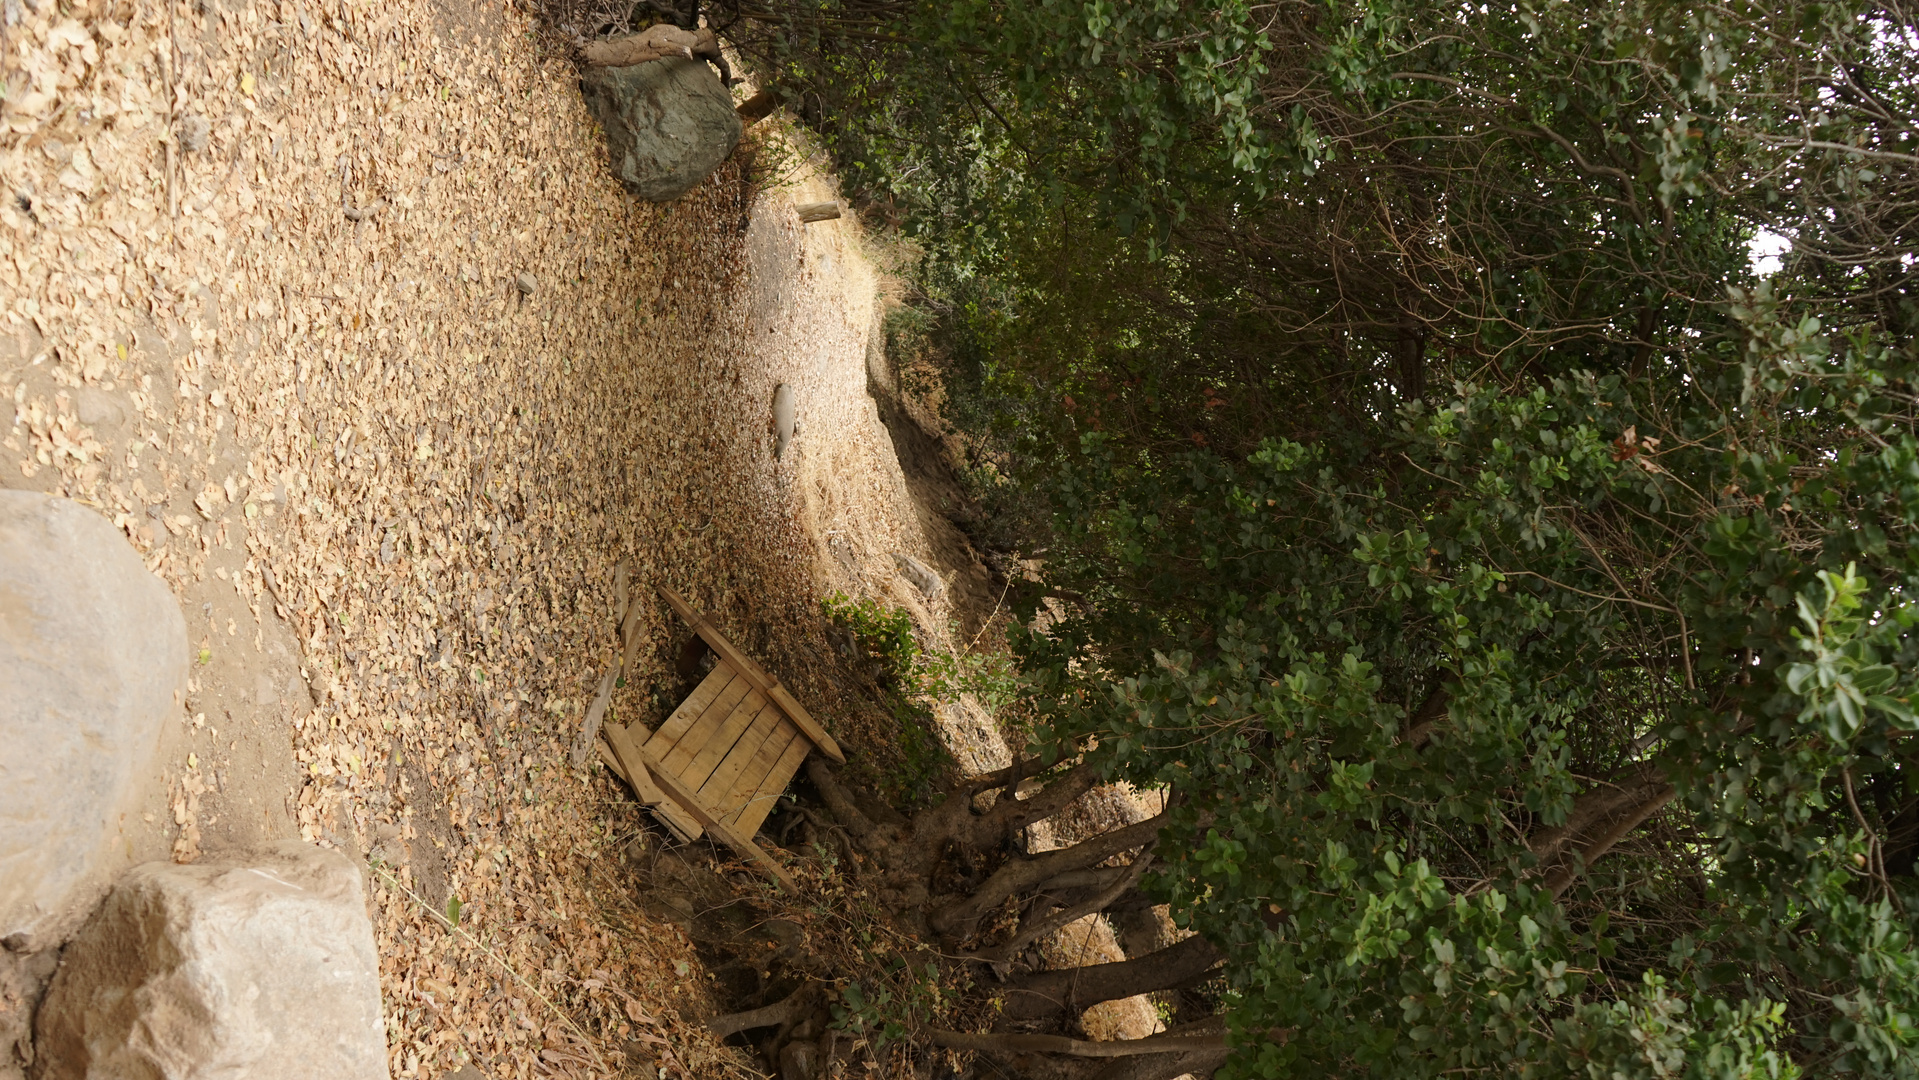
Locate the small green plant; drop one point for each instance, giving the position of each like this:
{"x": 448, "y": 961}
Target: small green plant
{"x": 901, "y": 999}
{"x": 924, "y": 758}
{"x": 910, "y": 686}
{"x": 992, "y": 678}
{"x": 885, "y": 632}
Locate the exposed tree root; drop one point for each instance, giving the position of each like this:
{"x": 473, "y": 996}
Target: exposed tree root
{"x": 1060, "y": 1044}
{"x": 778, "y": 1014}
{"x": 957, "y": 873}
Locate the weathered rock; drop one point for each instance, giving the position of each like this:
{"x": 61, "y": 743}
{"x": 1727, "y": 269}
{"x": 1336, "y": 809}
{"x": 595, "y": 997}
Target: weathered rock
{"x": 92, "y": 651}
{"x": 193, "y": 132}
{"x": 23, "y": 980}
{"x": 785, "y": 420}
{"x": 799, "y": 1061}
{"x": 100, "y": 410}
{"x": 261, "y": 966}
{"x": 923, "y": 577}
{"x": 669, "y": 123}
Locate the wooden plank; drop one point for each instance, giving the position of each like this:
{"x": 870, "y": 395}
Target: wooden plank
{"x": 678, "y": 821}
{"x": 692, "y": 804}
{"x": 611, "y": 761}
{"x": 627, "y": 751}
{"x": 722, "y": 720}
{"x": 717, "y": 682}
{"x": 751, "y": 671}
{"x": 733, "y": 769}
{"x": 771, "y": 788}
{"x": 663, "y": 741}
{"x": 764, "y": 758}
{"x": 695, "y": 772}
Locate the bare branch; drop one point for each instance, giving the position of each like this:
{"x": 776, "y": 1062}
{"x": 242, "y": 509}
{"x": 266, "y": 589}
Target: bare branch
{"x": 957, "y": 919}
{"x": 1039, "y": 928}
{"x": 1074, "y": 990}
{"x": 1060, "y": 1044}
{"x": 774, "y": 1015}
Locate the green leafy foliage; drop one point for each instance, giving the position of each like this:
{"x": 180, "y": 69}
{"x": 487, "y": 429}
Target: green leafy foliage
{"x": 900, "y": 997}
{"x": 885, "y": 634}
{"x": 884, "y": 631}
{"x": 1514, "y": 584}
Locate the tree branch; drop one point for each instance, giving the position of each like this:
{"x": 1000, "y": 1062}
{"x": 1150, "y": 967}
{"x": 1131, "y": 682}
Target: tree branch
{"x": 1074, "y": 990}
{"x": 1039, "y": 928}
{"x": 1599, "y": 820}
{"x": 838, "y": 799}
{"x": 772, "y": 1015}
{"x": 1419, "y": 730}
{"x": 1011, "y": 814}
{"x": 958, "y": 918}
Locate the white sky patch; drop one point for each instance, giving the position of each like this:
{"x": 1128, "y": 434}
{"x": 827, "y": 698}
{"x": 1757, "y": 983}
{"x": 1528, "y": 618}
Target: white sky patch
{"x": 1766, "y": 251}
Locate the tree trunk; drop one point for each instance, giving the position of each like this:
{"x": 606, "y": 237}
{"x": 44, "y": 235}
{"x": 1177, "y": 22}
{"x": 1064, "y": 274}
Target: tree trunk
{"x": 1034, "y": 1058}
{"x": 957, "y": 920}
{"x": 1046, "y": 994}
{"x": 1599, "y": 819}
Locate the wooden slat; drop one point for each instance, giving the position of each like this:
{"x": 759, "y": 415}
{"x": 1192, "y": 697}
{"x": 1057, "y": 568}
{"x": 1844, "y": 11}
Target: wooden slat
{"x": 755, "y": 774}
{"x": 735, "y": 769}
{"x": 627, "y": 750}
{"x": 676, "y": 756}
{"x": 695, "y": 772}
{"x": 675, "y": 819}
{"x": 630, "y": 637}
{"x": 724, "y": 719}
{"x": 717, "y": 682}
{"x": 752, "y": 672}
{"x": 612, "y": 761}
{"x": 771, "y": 788}
{"x": 677, "y": 792}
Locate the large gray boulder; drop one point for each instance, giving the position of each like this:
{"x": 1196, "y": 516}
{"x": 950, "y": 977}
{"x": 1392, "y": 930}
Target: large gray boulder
{"x": 256, "y": 967}
{"x": 92, "y": 652}
{"x": 669, "y": 123}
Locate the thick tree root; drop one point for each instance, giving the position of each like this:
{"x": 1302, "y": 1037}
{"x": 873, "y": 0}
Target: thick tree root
{"x": 1060, "y": 1044}
{"x": 778, "y": 1014}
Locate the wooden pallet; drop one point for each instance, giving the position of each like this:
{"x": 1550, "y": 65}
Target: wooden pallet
{"x": 724, "y": 757}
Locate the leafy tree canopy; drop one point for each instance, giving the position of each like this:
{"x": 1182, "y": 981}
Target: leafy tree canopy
{"x": 1514, "y": 590}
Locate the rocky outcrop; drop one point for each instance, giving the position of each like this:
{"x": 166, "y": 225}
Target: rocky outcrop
{"x": 261, "y": 966}
{"x": 93, "y": 650}
{"x": 669, "y": 123}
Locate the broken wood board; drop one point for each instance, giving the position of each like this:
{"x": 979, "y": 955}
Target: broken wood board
{"x": 725, "y": 755}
